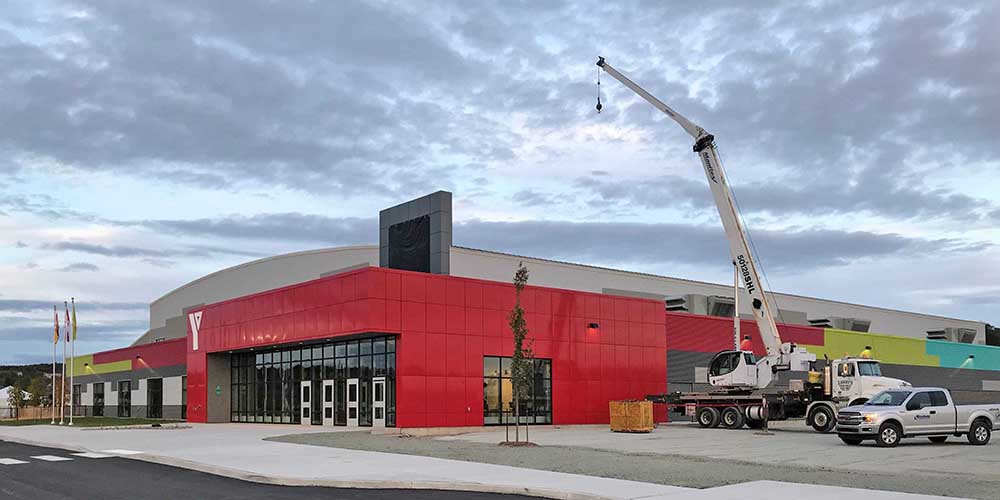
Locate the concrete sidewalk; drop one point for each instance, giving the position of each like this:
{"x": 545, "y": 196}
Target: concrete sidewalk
{"x": 239, "y": 451}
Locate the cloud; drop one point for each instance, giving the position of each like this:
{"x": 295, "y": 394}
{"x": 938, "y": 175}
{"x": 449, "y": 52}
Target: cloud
{"x": 790, "y": 251}
{"x": 875, "y": 195}
{"x": 593, "y": 242}
{"x": 532, "y": 198}
{"x": 125, "y": 251}
{"x": 281, "y": 226}
{"x": 117, "y": 331}
{"x": 80, "y": 266}
{"x": 35, "y": 305}
{"x": 315, "y": 109}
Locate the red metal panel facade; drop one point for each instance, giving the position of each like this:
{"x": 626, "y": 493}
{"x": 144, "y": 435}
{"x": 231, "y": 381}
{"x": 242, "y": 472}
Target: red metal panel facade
{"x": 446, "y": 325}
{"x": 155, "y": 355}
{"x": 691, "y": 332}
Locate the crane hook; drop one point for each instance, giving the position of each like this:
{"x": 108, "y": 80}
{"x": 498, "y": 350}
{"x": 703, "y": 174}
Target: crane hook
{"x": 599, "y": 106}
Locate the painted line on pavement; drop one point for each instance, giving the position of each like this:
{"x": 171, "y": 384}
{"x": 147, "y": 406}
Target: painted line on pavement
{"x": 51, "y": 458}
{"x": 122, "y": 452}
{"x": 91, "y": 454}
{"x": 11, "y": 461}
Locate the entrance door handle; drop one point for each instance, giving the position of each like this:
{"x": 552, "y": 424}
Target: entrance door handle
{"x": 933, "y": 412}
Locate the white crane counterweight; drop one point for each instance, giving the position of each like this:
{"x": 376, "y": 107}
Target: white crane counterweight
{"x": 732, "y": 368}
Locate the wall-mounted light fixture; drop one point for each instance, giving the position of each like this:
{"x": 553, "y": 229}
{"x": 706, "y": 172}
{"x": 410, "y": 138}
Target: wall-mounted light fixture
{"x": 592, "y": 328}
{"x": 972, "y": 356}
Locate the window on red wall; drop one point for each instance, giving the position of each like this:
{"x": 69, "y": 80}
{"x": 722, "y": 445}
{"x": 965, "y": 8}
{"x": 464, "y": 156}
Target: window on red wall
{"x": 498, "y": 393}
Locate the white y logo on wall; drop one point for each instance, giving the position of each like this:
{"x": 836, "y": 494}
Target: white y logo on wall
{"x": 195, "y": 320}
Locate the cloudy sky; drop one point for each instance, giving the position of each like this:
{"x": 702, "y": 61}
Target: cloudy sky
{"x": 144, "y": 144}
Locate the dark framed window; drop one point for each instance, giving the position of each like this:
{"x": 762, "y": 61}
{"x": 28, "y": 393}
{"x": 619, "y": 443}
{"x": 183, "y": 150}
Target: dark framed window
{"x": 498, "y": 393}
{"x": 98, "y": 399}
{"x": 184, "y": 397}
{"x": 154, "y": 398}
{"x": 75, "y": 401}
{"x": 265, "y": 385}
{"x": 124, "y": 398}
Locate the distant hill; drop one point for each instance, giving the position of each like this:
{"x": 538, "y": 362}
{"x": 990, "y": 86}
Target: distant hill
{"x": 22, "y": 375}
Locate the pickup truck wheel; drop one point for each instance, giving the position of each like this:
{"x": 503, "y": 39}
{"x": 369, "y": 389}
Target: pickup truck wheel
{"x": 821, "y": 419}
{"x": 732, "y": 418}
{"x": 937, "y": 439}
{"x": 980, "y": 432}
{"x": 708, "y": 417}
{"x": 888, "y": 435}
{"x": 755, "y": 424}
{"x": 852, "y": 441}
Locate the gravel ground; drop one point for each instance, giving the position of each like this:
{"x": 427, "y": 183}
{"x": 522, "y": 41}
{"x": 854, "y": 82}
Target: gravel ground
{"x": 676, "y": 470}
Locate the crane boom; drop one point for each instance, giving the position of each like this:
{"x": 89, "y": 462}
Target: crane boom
{"x": 739, "y": 248}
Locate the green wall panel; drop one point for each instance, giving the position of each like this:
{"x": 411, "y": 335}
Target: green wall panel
{"x": 885, "y": 348}
{"x": 84, "y": 365}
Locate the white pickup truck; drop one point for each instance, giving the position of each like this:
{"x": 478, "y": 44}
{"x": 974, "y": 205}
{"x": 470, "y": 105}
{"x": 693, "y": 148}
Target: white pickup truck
{"x": 916, "y": 412}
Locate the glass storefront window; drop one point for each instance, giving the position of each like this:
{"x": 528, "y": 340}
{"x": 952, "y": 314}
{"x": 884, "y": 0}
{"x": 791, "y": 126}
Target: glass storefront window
{"x": 498, "y": 393}
{"x": 265, "y": 384}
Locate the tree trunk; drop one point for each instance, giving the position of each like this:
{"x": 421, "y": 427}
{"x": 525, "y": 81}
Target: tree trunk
{"x": 517, "y": 417}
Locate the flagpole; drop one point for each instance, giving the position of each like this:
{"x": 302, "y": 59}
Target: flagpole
{"x": 72, "y": 364}
{"x": 62, "y": 400}
{"x": 62, "y": 388}
{"x": 55, "y": 343}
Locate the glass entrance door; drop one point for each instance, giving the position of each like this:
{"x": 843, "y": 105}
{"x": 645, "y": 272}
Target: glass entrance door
{"x": 352, "y": 402}
{"x": 378, "y": 402}
{"x": 306, "y": 390}
{"x": 328, "y": 402}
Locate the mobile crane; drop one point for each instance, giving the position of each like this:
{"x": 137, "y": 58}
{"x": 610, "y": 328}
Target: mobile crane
{"x": 737, "y": 375}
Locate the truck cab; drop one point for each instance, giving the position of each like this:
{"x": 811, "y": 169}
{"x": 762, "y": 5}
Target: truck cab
{"x": 854, "y": 380}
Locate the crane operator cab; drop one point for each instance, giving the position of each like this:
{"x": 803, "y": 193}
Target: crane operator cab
{"x": 736, "y": 368}
{"x": 741, "y": 369}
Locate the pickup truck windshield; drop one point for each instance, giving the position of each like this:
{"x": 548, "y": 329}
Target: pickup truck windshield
{"x": 870, "y": 368}
{"x": 888, "y": 398}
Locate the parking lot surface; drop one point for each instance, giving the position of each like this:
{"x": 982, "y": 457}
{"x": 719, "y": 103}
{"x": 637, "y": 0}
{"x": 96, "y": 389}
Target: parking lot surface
{"x": 688, "y": 456}
{"x": 789, "y": 444}
{"x": 49, "y": 473}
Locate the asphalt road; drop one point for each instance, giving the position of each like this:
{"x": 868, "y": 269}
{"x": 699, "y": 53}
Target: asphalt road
{"x": 115, "y": 477}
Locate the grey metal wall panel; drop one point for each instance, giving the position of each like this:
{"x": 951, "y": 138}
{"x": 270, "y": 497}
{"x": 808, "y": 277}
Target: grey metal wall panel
{"x": 435, "y": 205}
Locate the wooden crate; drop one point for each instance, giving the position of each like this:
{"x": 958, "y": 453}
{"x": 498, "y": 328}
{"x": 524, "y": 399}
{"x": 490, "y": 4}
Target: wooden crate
{"x": 631, "y": 416}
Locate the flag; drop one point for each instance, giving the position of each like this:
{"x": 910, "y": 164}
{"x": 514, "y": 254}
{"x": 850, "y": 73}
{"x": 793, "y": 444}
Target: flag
{"x": 55, "y": 335}
{"x": 74, "y": 318}
{"x": 67, "y": 320}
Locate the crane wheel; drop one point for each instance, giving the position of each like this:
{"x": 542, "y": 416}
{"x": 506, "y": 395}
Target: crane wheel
{"x": 708, "y": 416}
{"x": 732, "y": 418}
{"x": 822, "y": 419}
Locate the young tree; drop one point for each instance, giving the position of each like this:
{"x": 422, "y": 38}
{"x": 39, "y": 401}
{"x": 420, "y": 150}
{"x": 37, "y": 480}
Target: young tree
{"x": 15, "y": 398}
{"x": 39, "y": 390}
{"x": 522, "y": 367}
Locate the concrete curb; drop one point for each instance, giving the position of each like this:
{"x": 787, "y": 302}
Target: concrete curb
{"x": 331, "y": 483}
